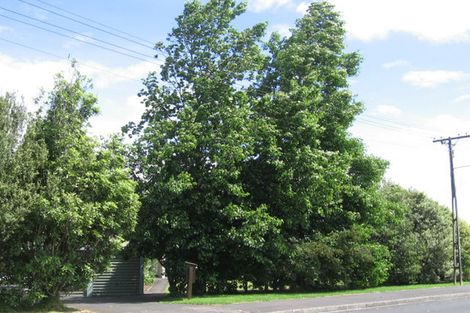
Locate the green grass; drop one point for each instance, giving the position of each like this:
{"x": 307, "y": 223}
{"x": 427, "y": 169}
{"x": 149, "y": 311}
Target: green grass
{"x": 270, "y": 296}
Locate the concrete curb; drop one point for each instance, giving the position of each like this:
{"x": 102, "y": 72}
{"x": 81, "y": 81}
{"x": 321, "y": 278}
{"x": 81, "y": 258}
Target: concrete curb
{"x": 375, "y": 304}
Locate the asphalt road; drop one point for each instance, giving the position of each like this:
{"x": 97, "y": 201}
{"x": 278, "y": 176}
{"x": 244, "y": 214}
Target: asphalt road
{"x": 442, "y": 300}
{"x": 439, "y": 306}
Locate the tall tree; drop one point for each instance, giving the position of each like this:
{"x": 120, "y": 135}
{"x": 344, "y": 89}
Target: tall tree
{"x": 84, "y": 200}
{"x": 193, "y": 140}
{"x": 250, "y": 152}
{"x": 310, "y": 172}
{"x": 255, "y": 143}
{"x": 320, "y": 172}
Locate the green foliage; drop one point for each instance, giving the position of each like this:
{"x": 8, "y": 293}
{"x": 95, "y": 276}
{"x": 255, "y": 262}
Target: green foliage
{"x": 14, "y": 200}
{"x": 308, "y": 171}
{"x": 418, "y": 234}
{"x": 346, "y": 259}
{"x": 15, "y": 300}
{"x": 465, "y": 244}
{"x": 240, "y": 155}
{"x": 150, "y": 271}
{"x": 80, "y": 200}
{"x": 196, "y": 135}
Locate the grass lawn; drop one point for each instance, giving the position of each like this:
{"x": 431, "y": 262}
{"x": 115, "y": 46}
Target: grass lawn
{"x": 269, "y": 296}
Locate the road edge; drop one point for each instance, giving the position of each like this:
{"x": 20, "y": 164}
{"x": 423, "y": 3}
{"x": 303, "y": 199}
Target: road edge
{"x": 375, "y": 304}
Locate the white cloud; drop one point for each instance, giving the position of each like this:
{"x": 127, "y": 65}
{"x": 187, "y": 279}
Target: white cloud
{"x": 429, "y": 79}
{"x": 112, "y": 117}
{"x": 27, "y": 77}
{"x": 282, "y": 29}
{"x": 302, "y": 7}
{"x": 104, "y": 76}
{"x": 447, "y": 125}
{"x": 388, "y": 110}
{"x": 4, "y": 29}
{"x": 430, "y": 20}
{"x": 463, "y": 98}
{"x": 116, "y": 87}
{"x": 263, "y": 5}
{"x": 367, "y": 20}
{"x": 396, "y": 63}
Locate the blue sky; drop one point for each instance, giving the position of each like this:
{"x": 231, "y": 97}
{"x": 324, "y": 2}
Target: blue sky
{"x": 414, "y": 80}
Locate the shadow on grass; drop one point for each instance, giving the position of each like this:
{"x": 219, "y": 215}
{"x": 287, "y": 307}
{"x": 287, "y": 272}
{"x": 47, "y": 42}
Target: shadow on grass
{"x": 56, "y": 307}
{"x": 152, "y": 297}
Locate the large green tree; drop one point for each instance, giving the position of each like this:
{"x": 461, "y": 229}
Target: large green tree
{"x": 82, "y": 200}
{"x": 309, "y": 171}
{"x": 242, "y": 155}
{"x": 196, "y": 136}
{"x": 316, "y": 175}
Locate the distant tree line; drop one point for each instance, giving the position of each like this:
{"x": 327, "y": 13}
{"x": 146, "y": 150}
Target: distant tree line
{"x": 242, "y": 163}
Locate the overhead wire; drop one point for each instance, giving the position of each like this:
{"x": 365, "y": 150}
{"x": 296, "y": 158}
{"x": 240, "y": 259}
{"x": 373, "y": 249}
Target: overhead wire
{"x": 393, "y": 125}
{"x": 401, "y": 124}
{"x": 95, "y": 22}
{"x": 63, "y": 58}
{"x": 78, "y": 39}
{"x": 389, "y": 143}
{"x": 86, "y": 24}
{"x": 75, "y": 32}
{"x": 392, "y": 128}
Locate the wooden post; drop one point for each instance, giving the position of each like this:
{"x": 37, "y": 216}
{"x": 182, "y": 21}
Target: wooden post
{"x": 190, "y": 277}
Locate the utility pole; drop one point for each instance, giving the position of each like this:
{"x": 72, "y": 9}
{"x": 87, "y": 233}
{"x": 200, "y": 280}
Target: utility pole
{"x": 457, "y": 252}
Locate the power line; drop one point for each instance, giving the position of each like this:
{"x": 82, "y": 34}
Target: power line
{"x": 396, "y": 125}
{"x": 77, "y": 39}
{"x": 95, "y": 22}
{"x": 389, "y": 143}
{"x": 31, "y": 48}
{"x": 461, "y": 166}
{"x": 392, "y": 128}
{"x": 63, "y": 58}
{"x": 86, "y": 24}
{"x": 75, "y": 32}
{"x": 400, "y": 124}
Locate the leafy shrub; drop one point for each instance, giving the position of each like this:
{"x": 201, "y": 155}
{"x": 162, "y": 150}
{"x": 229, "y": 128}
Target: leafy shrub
{"x": 341, "y": 260}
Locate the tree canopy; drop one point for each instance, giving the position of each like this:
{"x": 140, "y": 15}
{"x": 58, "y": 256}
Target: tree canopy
{"x": 243, "y": 155}
{"x": 76, "y": 197}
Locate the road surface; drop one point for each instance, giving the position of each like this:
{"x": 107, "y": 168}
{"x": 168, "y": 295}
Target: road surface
{"x": 439, "y": 306}
{"x": 433, "y": 300}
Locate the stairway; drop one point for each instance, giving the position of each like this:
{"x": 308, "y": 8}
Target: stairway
{"x": 123, "y": 278}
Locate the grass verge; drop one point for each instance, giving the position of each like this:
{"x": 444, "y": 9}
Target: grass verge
{"x": 270, "y": 296}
